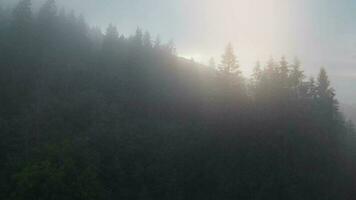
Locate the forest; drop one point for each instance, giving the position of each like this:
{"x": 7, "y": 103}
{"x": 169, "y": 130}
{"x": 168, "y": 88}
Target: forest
{"x": 92, "y": 115}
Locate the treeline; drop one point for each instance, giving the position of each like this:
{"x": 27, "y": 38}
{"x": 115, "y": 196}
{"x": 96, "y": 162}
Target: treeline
{"x": 87, "y": 115}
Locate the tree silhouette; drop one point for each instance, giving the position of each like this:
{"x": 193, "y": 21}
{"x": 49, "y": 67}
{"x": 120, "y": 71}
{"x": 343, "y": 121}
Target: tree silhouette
{"x": 284, "y": 72}
{"x": 326, "y": 95}
{"x": 296, "y": 74}
{"x": 147, "y": 42}
{"x": 21, "y": 31}
{"x": 229, "y": 64}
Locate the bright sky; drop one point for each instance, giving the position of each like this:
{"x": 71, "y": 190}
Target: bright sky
{"x": 319, "y": 32}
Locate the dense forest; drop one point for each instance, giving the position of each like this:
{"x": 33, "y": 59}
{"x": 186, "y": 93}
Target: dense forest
{"x": 92, "y": 115}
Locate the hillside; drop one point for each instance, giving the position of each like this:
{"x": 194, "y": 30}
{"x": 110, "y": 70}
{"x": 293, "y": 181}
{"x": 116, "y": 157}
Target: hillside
{"x": 92, "y": 115}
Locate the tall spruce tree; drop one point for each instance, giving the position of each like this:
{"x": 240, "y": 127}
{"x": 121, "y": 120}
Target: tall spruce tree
{"x": 229, "y": 64}
{"x": 326, "y": 94}
{"x": 257, "y": 73}
{"x": 147, "y": 41}
{"x": 46, "y": 29}
{"x": 21, "y": 33}
{"x": 296, "y": 74}
{"x": 283, "y": 72}
{"x": 111, "y": 39}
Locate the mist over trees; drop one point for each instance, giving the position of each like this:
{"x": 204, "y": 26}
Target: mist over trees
{"x": 92, "y": 115}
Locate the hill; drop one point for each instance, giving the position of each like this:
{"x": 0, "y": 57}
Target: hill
{"x": 92, "y": 115}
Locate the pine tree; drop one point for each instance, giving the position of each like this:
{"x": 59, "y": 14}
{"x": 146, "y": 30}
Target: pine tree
{"x": 22, "y": 16}
{"x": 324, "y": 90}
{"x": 147, "y": 42}
{"x": 96, "y": 37}
{"x": 111, "y": 38}
{"x": 256, "y": 79}
{"x": 229, "y": 64}
{"x": 46, "y": 26}
{"x": 325, "y": 93}
{"x": 271, "y": 72}
{"x": 296, "y": 74}
{"x": 82, "y": 27}
{"x": 47, "y": 12}
{"x": 311, "y": 90}
{"x": 283, "y": 72}
{"x": 21, "y": 33}
{"x": 257, "y": 73}
{"x": 3, "y": 28}
{"x": 138, "y": 38}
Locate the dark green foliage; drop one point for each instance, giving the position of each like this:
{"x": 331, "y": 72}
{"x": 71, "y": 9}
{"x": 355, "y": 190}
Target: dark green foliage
{"x": 87, "y": 115}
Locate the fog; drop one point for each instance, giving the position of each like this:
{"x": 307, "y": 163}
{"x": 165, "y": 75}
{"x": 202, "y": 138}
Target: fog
{"x": 320, "y": 33}
{"x": 199, "y": 99}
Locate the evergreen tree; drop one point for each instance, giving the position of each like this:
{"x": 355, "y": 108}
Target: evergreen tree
{"x": 271, "y": 70}
{"x": 22, "y": 31}
{"x": 3, "y": 28}
{"x": 311, "y": 89}
{"x": 47, "y": 12}
{"x": 229, "y": 64}
{"x": 147, "y": 40}
{"x": 284, "y": 72}
{"x": 257, "y": 74}
{"x": 296, "y": 74}
{"x": 22, "y": 17}
{"x": 256, "y": 80}
{"x": 326, "y": 94}
{"x": 96, "y": 37}
{"x": 138, "y": 38}
{"x": 46, "y": 28}
{"x": 111, "y": 39}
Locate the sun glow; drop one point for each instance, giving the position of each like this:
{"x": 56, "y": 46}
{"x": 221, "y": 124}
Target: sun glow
{"x": 257, "y": 29}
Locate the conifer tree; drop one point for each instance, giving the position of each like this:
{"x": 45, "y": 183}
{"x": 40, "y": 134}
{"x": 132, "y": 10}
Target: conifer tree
{"x": 311, "y": 90}
{"x": 147, "y": 40}
{"x": 47, "y": 12}
{"x": 284, "y": 72}
{"x": 111, "y": 38}
{"x": 326, "y": 94}
{"x": 296, "y": 74}
{"x": 21, "y": 33}
{"x": 46, "y": 26}
{"x": 256, "y": 79}
{"x": 138, "y": 37}
{"x": 229, "y": 64}
{"x": 257, "y": 73}
{"x": 22, "y": 17}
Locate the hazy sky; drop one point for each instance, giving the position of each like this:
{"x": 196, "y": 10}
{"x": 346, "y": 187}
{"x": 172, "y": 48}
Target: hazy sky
{"x": 319, "y": 32}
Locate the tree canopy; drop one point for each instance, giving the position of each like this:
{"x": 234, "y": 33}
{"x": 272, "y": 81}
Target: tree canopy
{"x": 87, "y": 114}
